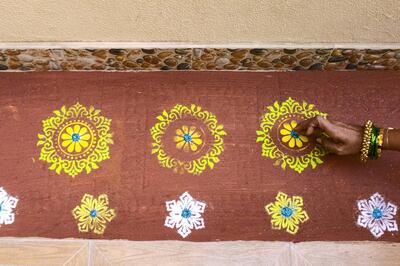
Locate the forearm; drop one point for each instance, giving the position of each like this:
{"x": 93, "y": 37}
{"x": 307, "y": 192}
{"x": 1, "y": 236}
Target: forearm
{"x": 391, "y": 139}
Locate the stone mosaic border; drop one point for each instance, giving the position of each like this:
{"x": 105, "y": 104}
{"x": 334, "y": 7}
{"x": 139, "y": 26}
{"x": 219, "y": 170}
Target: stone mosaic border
{"x": 208, "y": 59}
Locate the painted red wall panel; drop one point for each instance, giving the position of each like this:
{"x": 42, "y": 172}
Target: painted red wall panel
{"x": 238, "y": 187}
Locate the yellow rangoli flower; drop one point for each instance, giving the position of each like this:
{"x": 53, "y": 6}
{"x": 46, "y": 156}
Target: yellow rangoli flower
{"x": 75, "y": 138}
{"x": 187, "y": 139}
{"x": 287, "y": 213}
{"x": 93, "y": 214}
{"x": 292, "y": 137}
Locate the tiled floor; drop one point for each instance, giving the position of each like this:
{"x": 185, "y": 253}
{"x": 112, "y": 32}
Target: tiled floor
{"x": 40, "y": 251}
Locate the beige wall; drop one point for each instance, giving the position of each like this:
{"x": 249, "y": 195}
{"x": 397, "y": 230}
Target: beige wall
{"x": 201, "y": 21}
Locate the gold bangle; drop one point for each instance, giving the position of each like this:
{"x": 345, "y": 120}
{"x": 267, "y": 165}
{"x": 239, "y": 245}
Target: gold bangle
{"x": 379, "y": 142}
{"x": 366, "y": 141}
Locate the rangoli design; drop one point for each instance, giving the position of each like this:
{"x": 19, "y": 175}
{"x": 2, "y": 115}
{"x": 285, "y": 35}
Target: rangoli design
{"x": 377, "y": 215}
{"x": 187, "y": 139}
{"x": 93, "y": 214}
{"x": 287, "y": 213}
{"x": 282, "y": 143}
{"x": 185, "y": 214}
{"x": 291, "y": 137}
{"x": 75, "y": 139}
{"x": 7, "y": 205}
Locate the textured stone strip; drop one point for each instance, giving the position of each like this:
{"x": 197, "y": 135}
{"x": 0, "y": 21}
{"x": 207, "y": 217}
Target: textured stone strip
{"x": 154, "y": 59}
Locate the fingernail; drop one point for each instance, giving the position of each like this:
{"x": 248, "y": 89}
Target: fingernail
{"x": 319, "y": 140}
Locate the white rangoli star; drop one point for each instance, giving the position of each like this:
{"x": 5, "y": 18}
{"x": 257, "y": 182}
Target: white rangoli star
{"x": 7, "y": 204}
{"x": 185, "y": 214}
{"x": 377, "y": 215}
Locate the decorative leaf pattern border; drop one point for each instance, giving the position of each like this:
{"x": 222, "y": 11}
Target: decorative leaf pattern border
{"x": 269, "y": 148}
{"x": 75, "y": 166}
{"x": 200, "y": 164}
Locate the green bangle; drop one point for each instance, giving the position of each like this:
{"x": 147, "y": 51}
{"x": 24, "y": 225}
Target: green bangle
{"x": 373, "y": 147}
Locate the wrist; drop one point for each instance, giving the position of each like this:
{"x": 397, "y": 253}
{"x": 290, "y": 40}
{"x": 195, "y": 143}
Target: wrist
{"x": 391, "y": 139}
{"x": 386, "y": 145}
{"x": 372, "y": 142}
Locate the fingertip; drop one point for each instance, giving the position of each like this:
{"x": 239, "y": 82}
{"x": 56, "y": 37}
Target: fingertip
{"x": 305, "y": 125}
{"x": 310, "y": 131}
{"x": 324, "y": 122}
{"x": 299, "y": 127}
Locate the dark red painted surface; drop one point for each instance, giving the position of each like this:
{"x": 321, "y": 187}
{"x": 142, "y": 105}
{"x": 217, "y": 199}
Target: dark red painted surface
{"x": 235, "y": 191}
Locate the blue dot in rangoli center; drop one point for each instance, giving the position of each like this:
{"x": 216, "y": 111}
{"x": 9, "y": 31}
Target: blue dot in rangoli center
{"x": 286, "y": 212}
{"x": 93, "y": 213}
{"x": 187, "y": 137}
{"x": 186, "y": 213}
{"x": 377, "y": 213}
{"x": 294, "y": 134}
{"x": 76, "y": 137}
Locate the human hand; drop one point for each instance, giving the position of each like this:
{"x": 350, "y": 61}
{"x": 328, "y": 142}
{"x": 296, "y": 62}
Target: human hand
{"x": 336, "y": 137}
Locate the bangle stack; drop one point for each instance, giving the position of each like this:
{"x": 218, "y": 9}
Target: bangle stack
{"x": 372, "y": 142}
{"x": 379, "y": 143}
